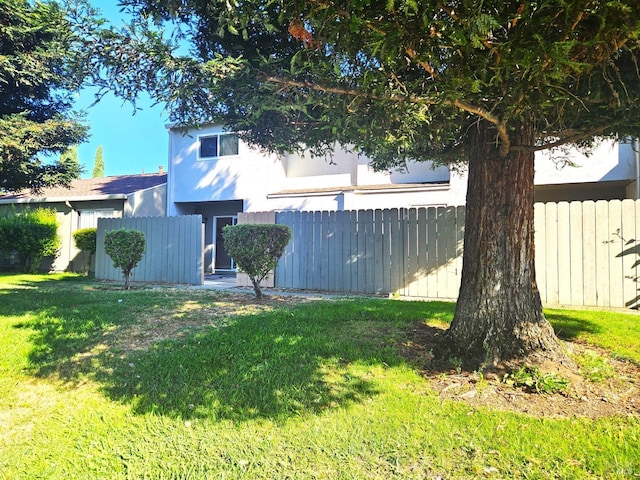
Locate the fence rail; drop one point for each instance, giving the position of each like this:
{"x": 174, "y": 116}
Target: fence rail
{"x": 173, "y": 253}
{"x": 587, "y": 253}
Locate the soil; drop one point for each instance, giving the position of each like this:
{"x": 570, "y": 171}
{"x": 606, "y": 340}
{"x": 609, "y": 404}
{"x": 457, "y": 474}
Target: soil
{"x": 618, "y": 395}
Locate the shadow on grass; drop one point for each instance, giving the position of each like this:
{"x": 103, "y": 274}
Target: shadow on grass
{"x": 69, "y": 320}
{"x": 272, "y": 365}
{"x": 569, "y": 327}
{"x": 275, "y": 364}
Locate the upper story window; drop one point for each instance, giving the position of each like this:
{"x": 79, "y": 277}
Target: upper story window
{"x": 222, "y": 145}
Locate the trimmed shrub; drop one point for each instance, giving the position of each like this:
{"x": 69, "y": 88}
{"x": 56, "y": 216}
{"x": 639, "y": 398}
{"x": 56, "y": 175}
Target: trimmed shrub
{"x": 85, "y": 239}
{"x": 256, "y": 249}
{"x": 31, "y": 235}
{"x": 125, "y": 247}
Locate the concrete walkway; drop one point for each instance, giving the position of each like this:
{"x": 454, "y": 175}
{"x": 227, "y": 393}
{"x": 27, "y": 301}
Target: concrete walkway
{"x": 227, "y": 282}
{"x": 221, "y": 282}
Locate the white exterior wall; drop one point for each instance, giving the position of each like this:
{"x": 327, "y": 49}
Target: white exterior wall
{"x": 247, "y": 175}
{"x": 257, "y": 178}
{"x": 609, "y": 161}
{"x": 345, "y": 181}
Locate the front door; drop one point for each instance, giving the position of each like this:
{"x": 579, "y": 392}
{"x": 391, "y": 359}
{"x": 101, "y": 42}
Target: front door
{"x": 222, "y": 260}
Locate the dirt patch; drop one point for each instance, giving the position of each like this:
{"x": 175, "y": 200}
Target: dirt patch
{"x": 168, "y": 323}
{"x": 617, "y": 395}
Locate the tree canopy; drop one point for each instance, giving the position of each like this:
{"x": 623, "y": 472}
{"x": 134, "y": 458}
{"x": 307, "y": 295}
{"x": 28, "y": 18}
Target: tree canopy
{"x": 487, "y": 83}
{"x": 38, "y": 77}
{"x": 397, "y": 79}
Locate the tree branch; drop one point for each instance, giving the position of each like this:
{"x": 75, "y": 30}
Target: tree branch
{"x": 576, "y": 137}
{"x": 479, "y": 111}
{"x": 501, "y": 125}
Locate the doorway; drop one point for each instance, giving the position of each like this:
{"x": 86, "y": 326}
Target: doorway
{"x": 222, "y": 261}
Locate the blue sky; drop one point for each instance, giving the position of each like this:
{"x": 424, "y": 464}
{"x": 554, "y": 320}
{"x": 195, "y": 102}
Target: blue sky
{"x": 132, "y": 143}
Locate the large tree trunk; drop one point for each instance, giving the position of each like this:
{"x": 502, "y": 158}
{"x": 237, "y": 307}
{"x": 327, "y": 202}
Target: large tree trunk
{"x": 499, "y": 315}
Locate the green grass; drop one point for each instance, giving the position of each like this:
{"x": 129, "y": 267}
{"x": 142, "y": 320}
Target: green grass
{"x": 618, "y": 332}
{"x": 313, "y": 391}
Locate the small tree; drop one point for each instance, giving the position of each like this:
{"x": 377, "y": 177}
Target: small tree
{"x": 125, "y": 247}
{"x": 98, "y": 165}
{"x": 85, "y": 240}
{"x": 31, "y": 234}
{"x": 256, "y": 249}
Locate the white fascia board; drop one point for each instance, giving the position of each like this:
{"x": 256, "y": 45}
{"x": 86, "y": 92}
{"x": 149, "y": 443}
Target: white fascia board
{"x": 323, "y": 193}
{"x": 426, "y": 188}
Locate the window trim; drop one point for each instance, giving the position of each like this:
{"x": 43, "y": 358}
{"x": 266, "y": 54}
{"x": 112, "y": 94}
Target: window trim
{"x": 217, "y": 135}
{"x": 96, "y": 214}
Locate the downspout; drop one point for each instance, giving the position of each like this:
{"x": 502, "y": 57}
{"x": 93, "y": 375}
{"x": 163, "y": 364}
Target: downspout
{"x": 71, "y": 246}
{"x": 170, "y": 205}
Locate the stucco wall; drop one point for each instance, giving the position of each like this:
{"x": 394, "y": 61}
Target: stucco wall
{"x": 151, "y": 202}
{"x": 300, "y": 182}
{"x": 254, "y": 177}
{"x": 609, "y": 161}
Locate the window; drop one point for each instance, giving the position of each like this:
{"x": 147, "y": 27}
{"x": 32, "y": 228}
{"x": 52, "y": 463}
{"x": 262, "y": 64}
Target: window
{"x": 222, "y": 145}
{"x": 89, "y": 218}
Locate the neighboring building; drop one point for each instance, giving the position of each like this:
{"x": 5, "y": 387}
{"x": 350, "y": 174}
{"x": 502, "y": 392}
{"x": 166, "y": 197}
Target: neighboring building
{"x": 214, "y": 174}
{"x": 86, "y": 200}
{"x": 609, "y": 172}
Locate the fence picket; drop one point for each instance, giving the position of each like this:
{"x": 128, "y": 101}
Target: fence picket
{"x": 602, "y": 238}
{"x": 628, "y": 253}
{"x": 452, "y": 285}
{"x": 616, "y": 245}
{"x": 576, "y": 241}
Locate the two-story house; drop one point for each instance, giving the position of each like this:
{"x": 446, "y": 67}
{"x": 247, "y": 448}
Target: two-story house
{"x": 213, "y": 173}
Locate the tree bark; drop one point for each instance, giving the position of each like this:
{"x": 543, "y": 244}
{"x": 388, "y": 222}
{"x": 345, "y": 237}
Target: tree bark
{"x": 256, "y": 287}
{"x": 498, "y": 316}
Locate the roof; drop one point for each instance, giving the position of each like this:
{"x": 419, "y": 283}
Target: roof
{"x": 91, "y": 188}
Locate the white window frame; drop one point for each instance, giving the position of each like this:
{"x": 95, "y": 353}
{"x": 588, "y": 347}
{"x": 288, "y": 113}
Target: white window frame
{"x": 95, "y": 214}
{"x": 218, "y": 136}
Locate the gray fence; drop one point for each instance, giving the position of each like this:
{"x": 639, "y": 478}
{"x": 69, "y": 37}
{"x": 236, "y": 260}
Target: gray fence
{"x": 587, "y": 253}
{"x": 173, "y": 253}
{"x": 412, "y": 252}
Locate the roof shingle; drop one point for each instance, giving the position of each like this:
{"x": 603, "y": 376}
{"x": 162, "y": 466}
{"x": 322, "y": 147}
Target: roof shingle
{"x": 93, "y": 187}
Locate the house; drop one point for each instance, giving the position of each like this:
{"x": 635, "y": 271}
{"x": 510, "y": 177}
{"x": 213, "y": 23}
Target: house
{"x": 214, "y": 174}
{"x": 86, "y": 200}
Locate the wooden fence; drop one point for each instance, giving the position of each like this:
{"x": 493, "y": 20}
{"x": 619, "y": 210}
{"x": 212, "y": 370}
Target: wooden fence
{"x": 173, "y": 253}
{"x": 409, "y": 252}
{"x": 587, "y": 253}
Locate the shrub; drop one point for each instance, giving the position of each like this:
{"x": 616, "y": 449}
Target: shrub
{"x": 31, "y": 234}
{"x": 125, "y": 247}
{"x": 85, "y": 240}
{"x": 256, "y": 249}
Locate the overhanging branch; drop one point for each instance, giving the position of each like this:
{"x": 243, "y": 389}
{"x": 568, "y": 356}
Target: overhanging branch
{"x": 479, "y": 111}
{"x": 575, "y": 137}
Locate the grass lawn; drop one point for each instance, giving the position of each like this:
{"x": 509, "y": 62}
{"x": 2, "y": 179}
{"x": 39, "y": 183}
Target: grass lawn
{"x": 99, "y": 383}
